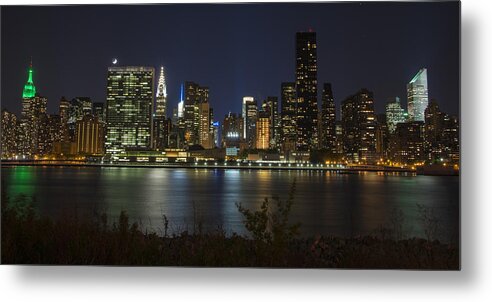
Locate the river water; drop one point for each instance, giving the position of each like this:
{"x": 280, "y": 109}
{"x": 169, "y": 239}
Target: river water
{"x": 325, "y": 203}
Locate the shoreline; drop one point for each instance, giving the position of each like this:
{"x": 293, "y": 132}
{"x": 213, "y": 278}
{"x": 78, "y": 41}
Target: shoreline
{"x": 242, "y": 166}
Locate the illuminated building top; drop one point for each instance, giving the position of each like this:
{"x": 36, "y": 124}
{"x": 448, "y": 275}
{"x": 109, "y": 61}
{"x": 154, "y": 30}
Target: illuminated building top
{"x": 29, "y": 89}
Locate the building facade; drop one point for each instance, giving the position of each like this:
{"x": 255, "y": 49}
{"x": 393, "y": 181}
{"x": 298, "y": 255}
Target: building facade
{"x": 307, "y": 91}
{"x": 288, "y": 114}
{"x": 417, "y": 96}
{"x": 395, "y": 114}
{"x": 328, "y": 120}
{"x": 359, "y": 127}
{"x": 250, "y": 115}
{"x": 263, "y": 130}
{"x": 130, "y": 92}
{"x": 89, "y": 136}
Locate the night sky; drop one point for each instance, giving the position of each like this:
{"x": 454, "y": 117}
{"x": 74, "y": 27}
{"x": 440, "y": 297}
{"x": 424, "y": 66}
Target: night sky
{"x": 234, "y": 49}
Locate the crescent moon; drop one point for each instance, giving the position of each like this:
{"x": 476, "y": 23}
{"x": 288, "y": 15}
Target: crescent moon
{"x": 115, "y": 60}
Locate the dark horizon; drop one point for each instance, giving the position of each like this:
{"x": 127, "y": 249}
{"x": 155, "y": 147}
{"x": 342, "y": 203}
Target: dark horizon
{"x": 237, "y": 51}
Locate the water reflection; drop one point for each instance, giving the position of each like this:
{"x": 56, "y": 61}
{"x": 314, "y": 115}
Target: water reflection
{"x": 325, "y": 202}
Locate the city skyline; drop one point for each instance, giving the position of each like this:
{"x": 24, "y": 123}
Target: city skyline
{"x": 225, "y": 91}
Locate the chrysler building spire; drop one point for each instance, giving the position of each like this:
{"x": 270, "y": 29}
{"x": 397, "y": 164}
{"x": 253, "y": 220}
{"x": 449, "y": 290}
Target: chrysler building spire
{"x": 161, "y": 96}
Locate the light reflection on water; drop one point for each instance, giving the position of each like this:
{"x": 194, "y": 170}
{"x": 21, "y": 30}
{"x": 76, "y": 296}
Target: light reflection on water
{"x": 325, "y": 203}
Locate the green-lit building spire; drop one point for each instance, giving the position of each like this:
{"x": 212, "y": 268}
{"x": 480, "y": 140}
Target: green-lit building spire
{"x": 29, "y": 89}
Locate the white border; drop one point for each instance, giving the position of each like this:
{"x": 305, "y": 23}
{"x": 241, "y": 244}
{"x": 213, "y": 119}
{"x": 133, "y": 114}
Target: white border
{"x": 24, "y": 283}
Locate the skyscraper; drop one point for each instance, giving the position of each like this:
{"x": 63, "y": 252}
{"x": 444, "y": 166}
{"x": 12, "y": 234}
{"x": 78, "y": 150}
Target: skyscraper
{"x": 34, "y": 125}
{"x": 130, "y": 93}
{"x": 161, "y": 96}
{"x": 232, "y": 130}
{"x": 250, "y": 115}
{"x": 307, "y": 91}
{"x": 9, "y": 134}
{"x": 204, "y": 134}
{"x": 78, "y": 108}
{"x": 263, "y": 130}
{"x": 407, "y": 145}
{"x": 194, "y": 95}
{"x": 89, "y": 136}
{"x": 63, "y": 112}
{"x": 246, "y": 100}
{"x": 417, "y": 96}
{"x": 328, "y": 119}
{"x": 271, "y": 106}
{"x": 394, "y": 114}
{"x": 288, "y": 106}
{"x": 359, "y": 127}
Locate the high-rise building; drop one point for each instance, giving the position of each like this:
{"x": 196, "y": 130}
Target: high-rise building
{"x": 359, "y": 127}
{"x": 232, "y": 131}
{"x": 28, "y": 93}
{"x": 394, "y": 114}
{"x": 99, "y": 111}
{"x": 161, "y": 96}
{"x": 89, "y": 136}
{"x": 263, "y": 130}
{"x": 162, "y": 132}
{"x": 9, "y": 134}
{"x": 328, "y": 119}
{"x": 78, "y": 108}
{"x": 270, "y": 105}
{"x": 382, "y": 136}
{"x": 246, "y": 100}
{"x": 307, "y": 91}
{"x": 407, "y": 145}
{"x": 63, "y": 112}
{"x": 129, "y": 102}
{"x": 204, "y": 134}
{"x": 441, "y": 135}
{"x": 288, "y": 106}
{"x": 417, "y": 96}
{"x": 34, "y": 126}
{"x": 194, "y": 95}
{"x": 250, "y": 115}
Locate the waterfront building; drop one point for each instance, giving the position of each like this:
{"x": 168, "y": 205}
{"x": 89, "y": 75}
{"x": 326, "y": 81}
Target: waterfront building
{"x": 161, "y": 96}
{"x": 263, "y": 130}
{"x": 328, "y": 120}
{"x": 417, "y": 96}
{"x": 407, "y": 145}
{"x": 130, "y": 92}
{"x": 359, "y": 127}
{"x": 307, "y": 91}
{"x": 288, "y": 116}
{"x": 441, "y": 135}
{"x": 89, "y": 136}
{"x": 394, "y": 114}
{"x": 9, "y": 134}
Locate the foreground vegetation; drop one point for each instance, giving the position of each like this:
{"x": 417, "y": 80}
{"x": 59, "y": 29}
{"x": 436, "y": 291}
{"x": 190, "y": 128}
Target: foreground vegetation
{"x": 30, "y": 239}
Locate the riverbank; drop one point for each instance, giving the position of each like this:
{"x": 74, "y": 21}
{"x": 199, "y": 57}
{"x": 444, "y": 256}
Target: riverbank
{"x": 216, "y": 165}
{"x": 30, "y": 239}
